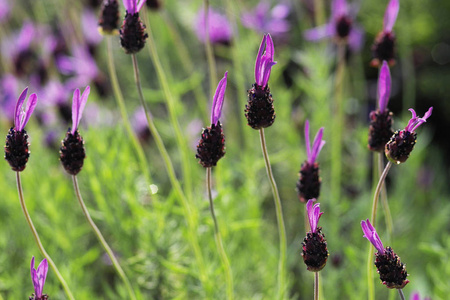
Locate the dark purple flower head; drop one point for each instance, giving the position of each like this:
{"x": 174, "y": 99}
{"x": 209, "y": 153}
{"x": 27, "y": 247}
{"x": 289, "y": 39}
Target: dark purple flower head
{"x": 219, "y": 95}
{"x": 371, "y": 234}
{"x": 22, "y": 116}
{"x": 264, "y": 61}
{"x": 78, "y": 104}
{"x": 38, "y": 277}
{"x": 390, "y": 16}
{"x": 313, "y": 214}
{"x": 133, "y": 6}
{"x": 263, "y": 19}
{"x": 219, "y": 29}
{"x": 384, "y": 87}
{"x": 317, "y": 145}
{"x": 416, "y": 121}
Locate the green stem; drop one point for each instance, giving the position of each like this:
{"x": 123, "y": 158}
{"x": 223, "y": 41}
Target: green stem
{"x": 316, "y": 285}
{"x": 209, "y": 53}
{"x": 280, "y": 221}
{"x": 400, "y": 292}
{"x": 188, "y": 213}
{"x": 102, "y": 240}
{"x": 377, "y": 192}
{"x": 123, "y": 111}
{"x": 384, "y": 199}
{"x": 220, "y": 248}
{"x": 38, "y": 240}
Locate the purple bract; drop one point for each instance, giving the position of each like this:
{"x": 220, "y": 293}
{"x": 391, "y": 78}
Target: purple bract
{"x": 384, "y": 87}
{"x": 264, "y": 61}
{"x": 263, "y": 19}
{"x": 21, "y": 116}
{"x": 219, "y": 96}
{"x": 317, "y": 145}
{"x": 78, "y": 105}
{"x": 219, "y": 29}
{"x": 133, "y": 6}
{"x": 371, "y": 234}
{"x": 313, "y": 214}
{"x": 390, "y": 16}
{"x": 38, "y": 277}
{"x": 416, "y": 121}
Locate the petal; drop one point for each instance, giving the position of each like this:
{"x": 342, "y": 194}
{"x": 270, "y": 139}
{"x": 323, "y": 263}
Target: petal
{"x": 258, "y": 77}
{"x": 339, "y": 8}
{"x": 428, "y": 113}
{"x": 309, "y": 209}
{"x": 319, "y": 33}
{"x": 34, "y": 278}
{"x": 280, "y": 11}
{"x": 307, "y": 141}
{"x": 31, "y": 104}
{"x": 219, "y": 96}
{"x": 84, "y": 98}
{"x": 384, "y": 86}
{"x": 75, "y": 110}
{"x": 317, "y": 146}
{"x": 42, "y": 274}
{"x": 390, "y": 16}
{"x": 140, "y": 4}
{"x": 18, "y": 109}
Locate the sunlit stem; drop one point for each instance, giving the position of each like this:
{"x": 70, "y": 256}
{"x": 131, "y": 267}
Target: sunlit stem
{"x": 384, "y": 199}
{"x": 209, "y": 52}
{"x": 220, "y": 248}
{"x": 280, "y": 221}
{"x": 316, "y": 285}
{"x": 38, "y": 240}
{"x": 123, "y": 112}
{"x": 400, "y": 292}
{"x": 187, "y": 211}
{"x": 102, "y": 240}
{"x": 377, "y": 192}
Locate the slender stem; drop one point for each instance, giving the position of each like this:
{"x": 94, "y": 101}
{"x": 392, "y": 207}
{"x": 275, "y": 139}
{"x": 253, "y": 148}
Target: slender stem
{"x": 38, "y": 240}
{"x": 209, "y": 52}
{"x": 188, "y": 213}
{"x": 280, "y": 221}
{"x": 384, "y": 199}
{"x": 400, "y": 292}
{"x": 377, "y": 192}
{"x": 123, "y": 111}
{"x": 316, "y": 285}
{"x": 102, "y": 240}
{"x": 219, "y": 243}
{"x": 370, "y": 285}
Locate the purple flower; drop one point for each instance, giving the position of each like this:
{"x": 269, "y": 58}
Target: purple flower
{"x": 416, "y": 296}
{"x": 5, "y": 10}
{"x": 133, "y": 6}
{"x": 21, "y": 116}
{"x": 78, "y": 105}
{"x": 8, "y": 92}
{"x": 88, "y": 22}
{"x": 341, "y": 26}
{"x": 264, "y": 61}
{"x": 416, "y": 121}
{"x": 313, "y": 214}
{"x": 384, "y": 87}
{"x": 219, "y": 95}
{"x": 317, "y": 145}
{"x": 371, "y": 234}
{"x": 219, "y": 28}
{"x": 390, "y": 16}
{"x": 38, "y": 277}
{"x": 263, "y": 19}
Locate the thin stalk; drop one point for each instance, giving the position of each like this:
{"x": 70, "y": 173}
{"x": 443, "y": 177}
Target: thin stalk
{"x": 316, "y": 285}
{"x": 209, "y": 52}
{"x": 384, "y": 199}
{"x": 188, "y": 213}
{"x": 102, "y": 240}
{"x": 377, "y": 192}
{"x": 400, "y": 292}
{"x": 171, "y": 105}
{"x": 280, "y": 221}
{"x": 220, "y": 248}
{"x": 123, "y": 112}
{"x": 38, "y": 240}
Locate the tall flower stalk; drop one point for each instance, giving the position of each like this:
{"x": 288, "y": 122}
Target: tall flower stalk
{"x": 72, "y": 158}
{"x": 17, "y": 154}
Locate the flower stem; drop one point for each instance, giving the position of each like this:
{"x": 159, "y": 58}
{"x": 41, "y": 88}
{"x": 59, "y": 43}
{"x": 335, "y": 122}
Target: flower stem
{"x": 220, "y": 248}
{"x": 209, "y": 52}
{"x": 400, "y": 292}
{"x": 280, "y": 221}
{"x": 316, "y": 285}
{"x": 38, "y": 240}
{"x": 384, "y": 199}
{"x": 377, "y": 192}
{"x": 102, "y": 240}
{"x": 188, "y": 213}
{"x": 126, "y": 121}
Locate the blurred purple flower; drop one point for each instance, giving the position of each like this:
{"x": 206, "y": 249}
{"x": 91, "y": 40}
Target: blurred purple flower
{"x": 38, "y": 278}
{"x": 140, "y": 124}
{"x": 22, "y": 116}
{"x": 266, "y": 20}
{"x": 78, "y": 104}
{"x": 384, "y": 87}
{"x": 341, "y": 27}
{"x": 313, "y": 214}
{"x": 416, "y": 121}
{"x": 133, "y": 6}
{"x": 89, "y": 23}
{"x": 317, "y": 145}
{"x": 218, "y": 27}
{"x": 416, "y": 296}
{"x": 264, "y": 61}
{"x": 371, "y": 234}
{"x": 5, "y": 10}
{"x": 8, "y": 92}
{"x": 219, "y": 96}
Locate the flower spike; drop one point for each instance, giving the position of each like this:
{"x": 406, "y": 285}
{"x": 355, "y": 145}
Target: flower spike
{"x": 390, "y": 16}
{"x": 415, "y": 121}
{"x": 371, "y": 234}
{"x": 317, "y": 145}
{"x": 21, "y": 116}
{"x": 78, "y": 104}
{"x": 264, "y": 61}
{"x": 219, "y": 96}
{"x": 314, "y": 214}
{"x": 38, "y": 277}
{"x": 384, "y": 87}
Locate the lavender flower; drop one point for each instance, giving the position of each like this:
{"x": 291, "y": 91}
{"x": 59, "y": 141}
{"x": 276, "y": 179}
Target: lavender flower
{"x": 140, "y": 125}
{"x": 314, "y": 250}
{"x": 259, "y": 110}
{"x": 5, "y": 10}
{"x": 401, "y": 144}
{"x": 8, "y": 92}
{"x": 380, "y": 128}
{"x": 72, "y": 152}
{"x": 263, "y": 19}
{"x": 88, "y": 22}
{"x": 341, "y": 27}
{"x": 132, "y": 32}
{"x": 38, "y": 278}
{"x": 416, "y": 296}
{"x": 16, "y": 148}
{"x": 219, "y": 29}
{"x": 211, "y": 146}
{"x": 308, "y": 185}
{"x": 383, "y": 47}
{"x": 109, "y": 17}
{"x": 392, "y": 271}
